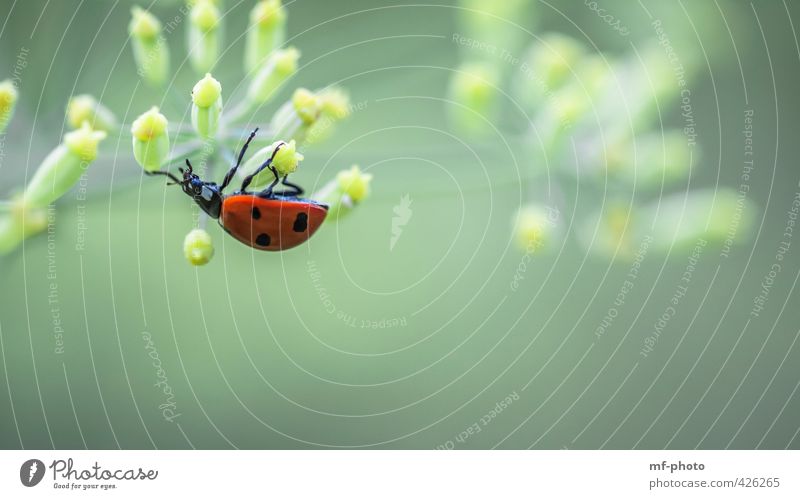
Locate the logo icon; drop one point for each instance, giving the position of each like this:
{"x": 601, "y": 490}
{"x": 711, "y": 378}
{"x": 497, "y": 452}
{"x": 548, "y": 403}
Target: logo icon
{"x": 31, "y": 472}
{"x": 402, "y": 212}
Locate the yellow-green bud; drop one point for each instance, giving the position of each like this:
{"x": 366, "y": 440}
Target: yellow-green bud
{"x": 85, "y": 108}
{"x": 204, "y": 36}
{"x": 20, "y": 223}
{"x": 8, "y": 100}
{"x": 354, "y": 183}
{"x": 150, "y": 139}
{"x": 207, "y": 106}
{"x": 307, "y": 105}
{"x": 198, "y": 247}
{"x": 265, "y": 33}
{"x": 334, "y": 103}
{"x": 62, "y": 168}
{"x": 285, "y": 162}
{"x": 287, "y": 158}
{"x": 534, "y": 227}
{"x": 474, "y": 89}
{"x": 149, "y": 47}
{"x": 279, "y": 67}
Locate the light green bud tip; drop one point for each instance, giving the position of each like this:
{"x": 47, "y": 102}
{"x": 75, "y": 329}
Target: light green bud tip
{"x": 474, "y": 85}
{"x": 198, "y": 247}
{"x": 8, "y": 98}
{"x": 149, "y": 125}
{"x": 206, "y": 92}
{"x": 85, "y": 108}
{"x": 354, "y": 183}
{"x": 267, "y": 13}
{"x": 204, "y": 15}
{"x": 286, "y": 61}
{"x": 84, "y": 141}
{"x": 307, "y": 105}
{"x": 335, "y": 103}
{"x": 531, "y": 227}
{"x": 287, "y": 158}
{"x": 144, "y": 25}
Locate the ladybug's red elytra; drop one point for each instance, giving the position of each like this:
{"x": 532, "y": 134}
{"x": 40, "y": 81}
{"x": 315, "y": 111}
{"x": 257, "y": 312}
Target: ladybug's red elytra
{"x": 264, "y": 220}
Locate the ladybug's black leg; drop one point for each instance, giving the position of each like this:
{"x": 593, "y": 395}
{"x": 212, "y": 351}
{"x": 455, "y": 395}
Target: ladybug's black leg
{"x": 297, "y": 190}
{"x": 166, "y": 174}
{"x": 232, "y": 171}
{"x": 249, "y": 178}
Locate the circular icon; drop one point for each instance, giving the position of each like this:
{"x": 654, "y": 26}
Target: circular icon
{"x": 31, "y": 472}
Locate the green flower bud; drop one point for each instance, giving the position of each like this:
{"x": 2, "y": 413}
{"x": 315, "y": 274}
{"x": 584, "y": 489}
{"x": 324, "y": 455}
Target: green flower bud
{"x": 85, "y": 108}
{"x": 307, "y": 105}
{"x": 535, "y": 227}
{"x": 198, "y": 247}
{"x": 63, "y": 167}
{"x": 207, "y": 106}
{"x": 354, "y": 183}
{"x": 8, "y": 100}
{"x": 20, "y": 223}
{"x": 149, "y": 47}
{"x": 651, "y": 160}
{"x": 287, "y": 159}
{"x": 204, "y": 36}
{"x": 285, "y": 162}
{"x": 334, "y": 106}
{"x": 150, "y": 139}
{"x": 551, "y": 61}
{"x": 279, "y": 67}
{"x": 266, "y": 32}
{"x": 344, "y": 192}
{"x": 474, "y": 90}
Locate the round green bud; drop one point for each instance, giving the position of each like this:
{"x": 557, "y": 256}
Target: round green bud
{"x": 306, "y": 105}
{"x": 267, "y": 14}
{"x": 84, "y": 141}
{"x": 150, "y": 139}
{"x": 8, "y": 100}
{"x": 198, "y": 247}
{"x": 85, "y": 108}
{"x": 354, "y": 183}
{"x": 149, "y": 125}
{"x": 144, "y": 25}
{"x": 206, "y": 92}
{"x": 287, "y": 158}
{"x": 204, "y": 15}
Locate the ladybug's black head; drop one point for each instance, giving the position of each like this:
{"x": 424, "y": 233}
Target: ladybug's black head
{"x": 205, "y": 194}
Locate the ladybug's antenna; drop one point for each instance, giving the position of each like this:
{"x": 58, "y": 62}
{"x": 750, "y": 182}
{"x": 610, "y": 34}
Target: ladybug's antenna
{"x": 189, "y": 165}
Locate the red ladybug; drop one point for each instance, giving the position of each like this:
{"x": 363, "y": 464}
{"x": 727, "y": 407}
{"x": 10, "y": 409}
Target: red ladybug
{"x": 265, "y": 220}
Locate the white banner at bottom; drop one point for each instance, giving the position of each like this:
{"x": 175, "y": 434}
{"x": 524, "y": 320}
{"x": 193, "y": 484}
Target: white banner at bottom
{"x": 380, "y": 474}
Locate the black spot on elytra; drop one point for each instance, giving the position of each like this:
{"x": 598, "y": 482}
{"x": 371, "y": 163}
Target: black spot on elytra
{"x": 301, "y": 222}
{"x": 263, "y": 240}
{"x": 256, "y": 213}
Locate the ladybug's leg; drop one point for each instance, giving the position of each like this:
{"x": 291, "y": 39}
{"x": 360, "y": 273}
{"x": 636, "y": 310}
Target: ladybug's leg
{"x": 232, "y": 171}
{"x": 249, "y": 178}
{"x": 296, "y": 189}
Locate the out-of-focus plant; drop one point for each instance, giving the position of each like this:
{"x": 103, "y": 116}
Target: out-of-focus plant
{"x": 216, "y": 130}
{"x": 599, "y": 120}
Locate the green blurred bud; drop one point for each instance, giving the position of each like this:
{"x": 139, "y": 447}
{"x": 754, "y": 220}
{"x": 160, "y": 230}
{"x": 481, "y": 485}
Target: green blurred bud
{"x": 266, "y": 32}
{"x": 149, "y": 47}
{"x": 8, "y": 101}
{"x": 307, "y": 105}
{"x": 334, "y": 103}
{"x": 198, "y": 247}
{"x": 285, "y": 161}
{"x": 338, "y": 193}
{"x": 488, "y": 23}
{"x": 63, "y": 167}
{"x": 354, "y": 183}
{"x": 85, "y": 108}
{"x": 204, "y": 35}
{"x": 653, "y": 159}
{"x": 192, "y": 3}
{"x": 207, "y": 106}
{"x": 150, "y": 139}
{"x": 279, "y": 67}
{"x": 535, "y": 227}
{"x": 474, "y": 90}
{"x": 21, "y": 222}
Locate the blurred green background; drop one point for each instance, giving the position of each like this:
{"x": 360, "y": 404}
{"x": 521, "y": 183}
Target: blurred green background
{"x": 286, "y": 350}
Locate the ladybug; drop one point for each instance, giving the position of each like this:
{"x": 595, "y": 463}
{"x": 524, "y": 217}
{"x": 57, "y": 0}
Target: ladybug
{"x": 265, "y": 220}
